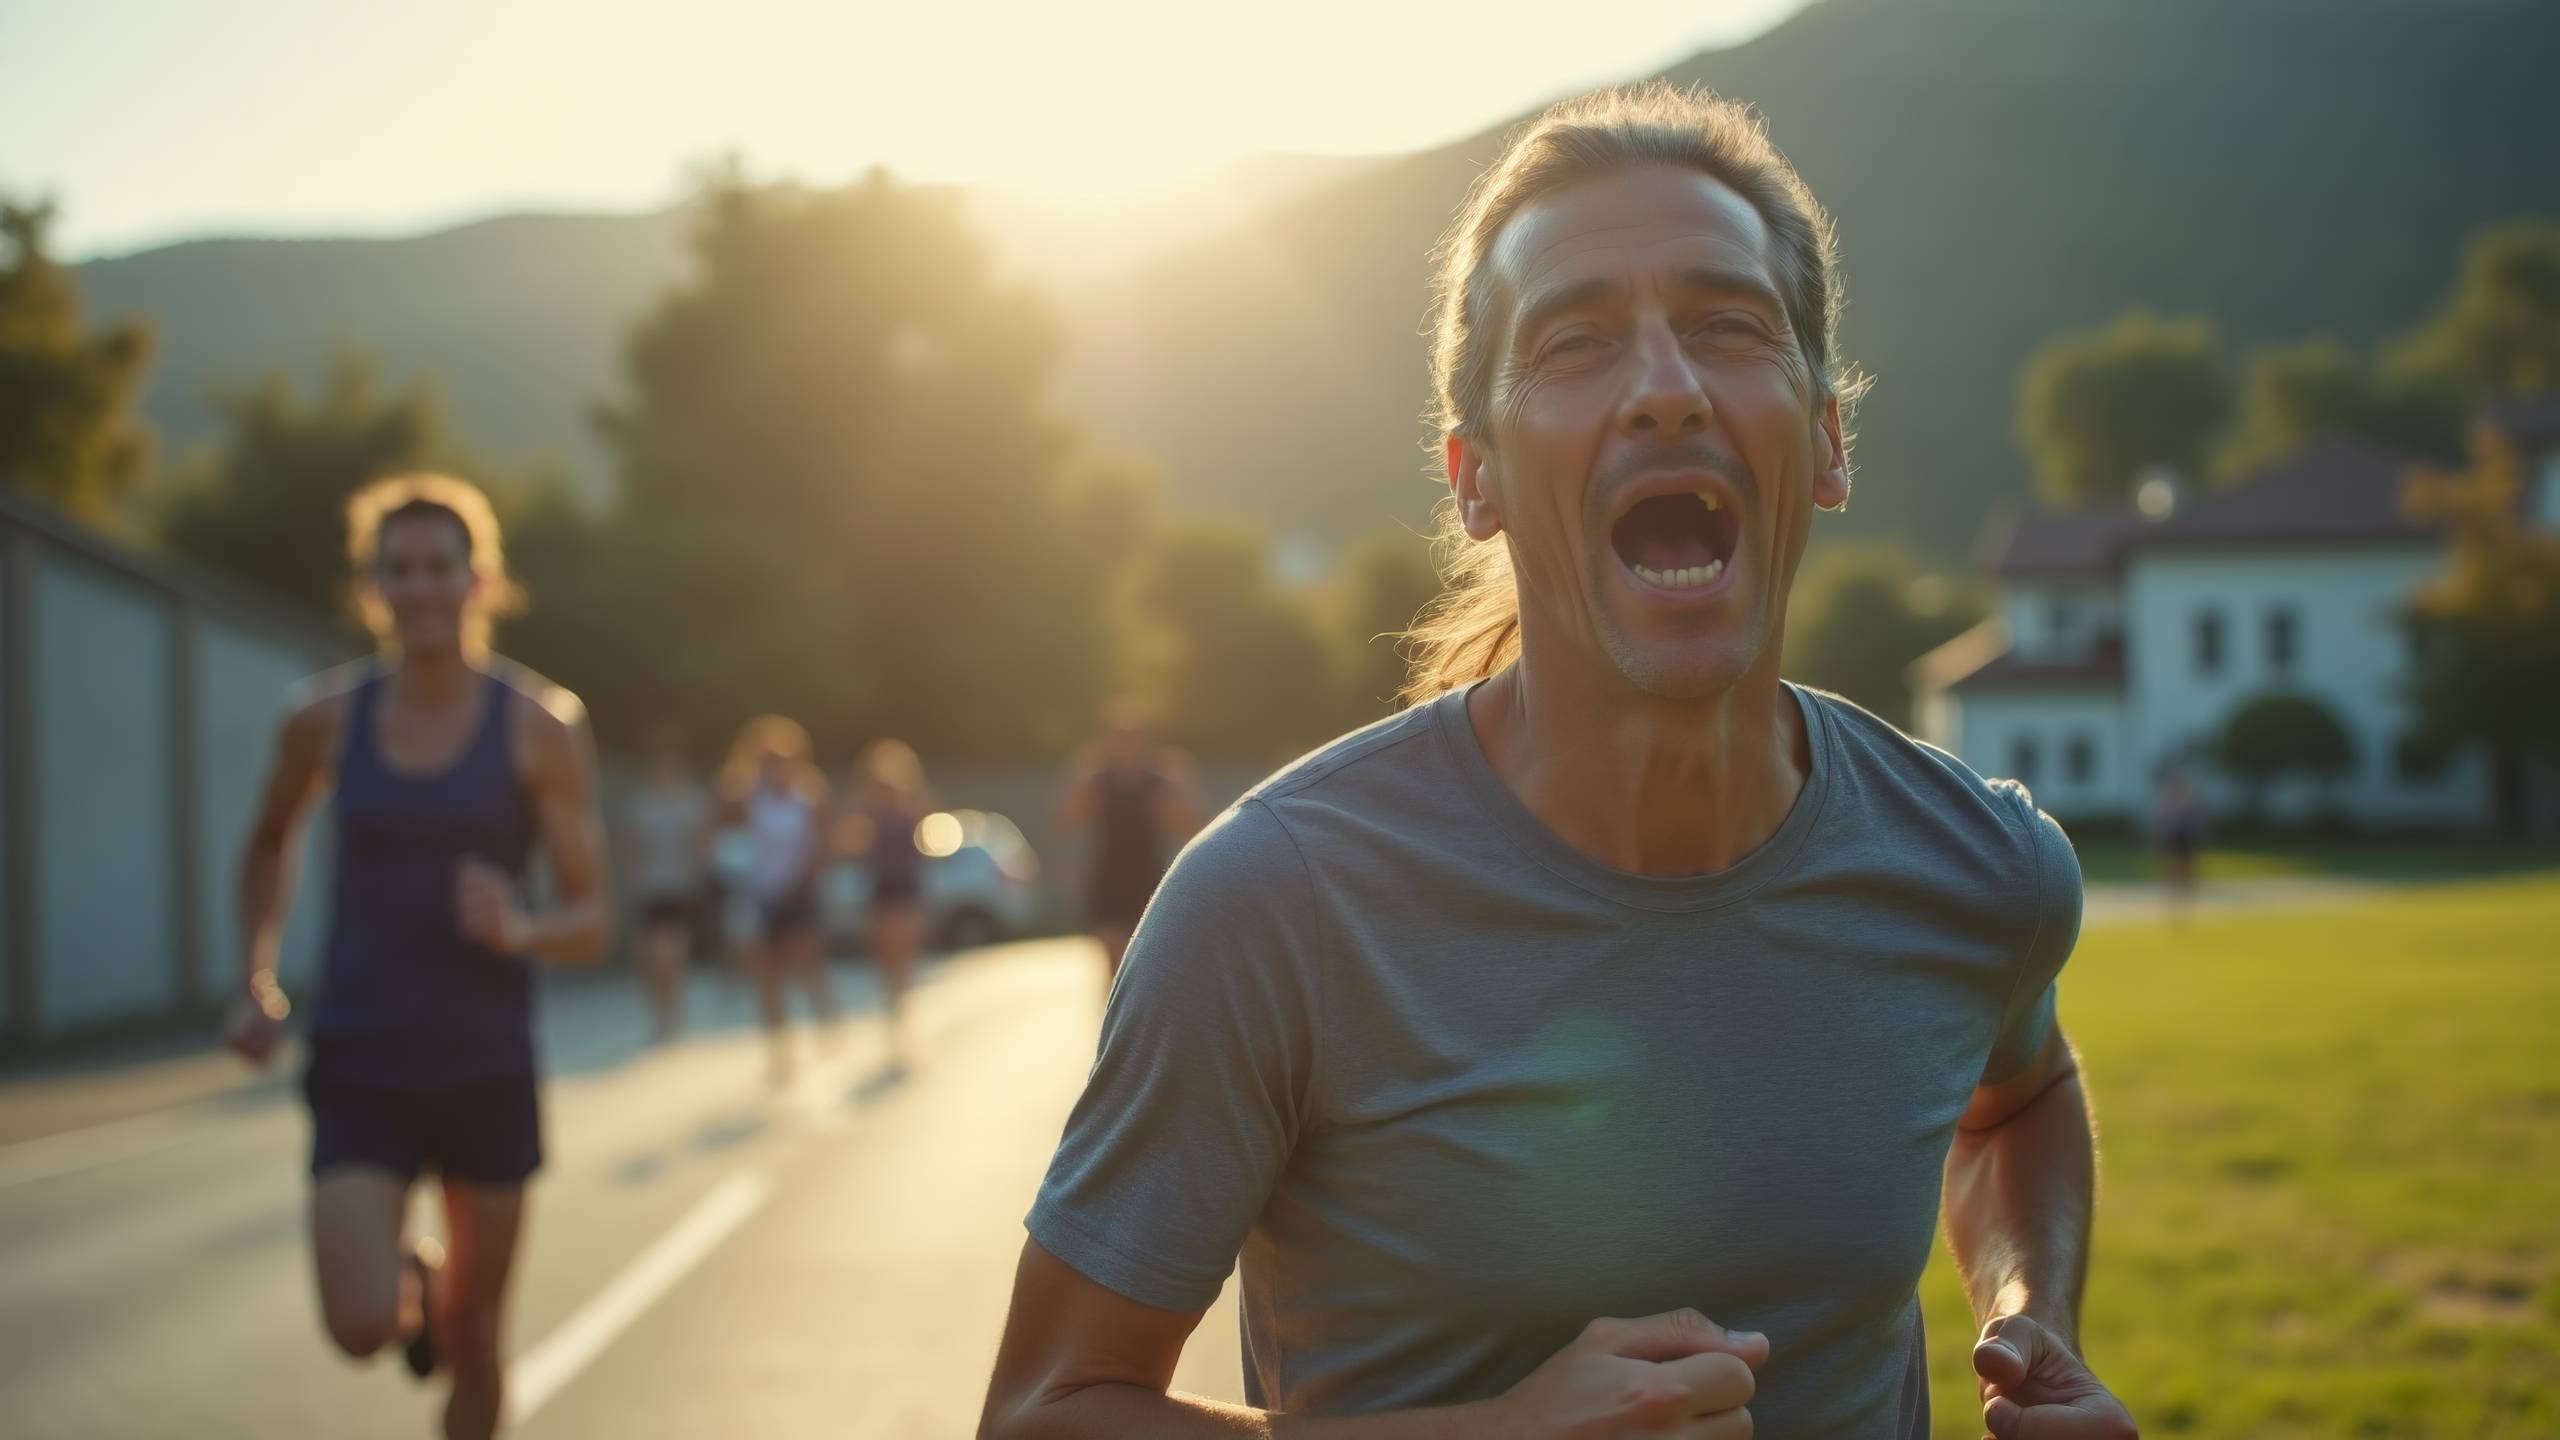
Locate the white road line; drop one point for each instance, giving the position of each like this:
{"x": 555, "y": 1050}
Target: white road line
{"x": 72, "y": 1151}
{"x": 545, "y": 1370}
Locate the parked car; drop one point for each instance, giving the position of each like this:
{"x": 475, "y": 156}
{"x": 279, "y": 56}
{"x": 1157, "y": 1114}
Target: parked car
{"x": 981, "y": 883}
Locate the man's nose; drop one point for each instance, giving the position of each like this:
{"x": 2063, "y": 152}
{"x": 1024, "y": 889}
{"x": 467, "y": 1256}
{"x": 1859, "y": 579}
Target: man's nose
{"x": 1665, "y": 396}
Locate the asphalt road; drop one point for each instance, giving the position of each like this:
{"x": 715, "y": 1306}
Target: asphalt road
{"x": 704, "y": 1255}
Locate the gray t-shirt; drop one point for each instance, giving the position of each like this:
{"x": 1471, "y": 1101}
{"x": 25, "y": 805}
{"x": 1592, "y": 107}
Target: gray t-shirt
{"x": 1453, "y": 1089}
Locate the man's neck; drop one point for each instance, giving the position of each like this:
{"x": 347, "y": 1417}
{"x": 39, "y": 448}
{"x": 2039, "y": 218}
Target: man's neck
{"x": 1647, "y": 785}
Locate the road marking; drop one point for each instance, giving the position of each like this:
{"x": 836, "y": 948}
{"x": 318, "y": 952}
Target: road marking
{"x": 72, "y": 1151}
{"x": 545, "y": 1370}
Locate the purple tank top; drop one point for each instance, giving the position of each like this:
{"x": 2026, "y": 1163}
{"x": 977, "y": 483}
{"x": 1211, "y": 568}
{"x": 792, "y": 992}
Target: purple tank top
{"x": 404, "y": 999}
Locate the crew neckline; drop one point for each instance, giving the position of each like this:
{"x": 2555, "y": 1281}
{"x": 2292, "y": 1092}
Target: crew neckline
{"x": 1532, "y": 837}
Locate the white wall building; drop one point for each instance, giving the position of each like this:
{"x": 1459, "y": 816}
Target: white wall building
{"x": 2125, "y": 640}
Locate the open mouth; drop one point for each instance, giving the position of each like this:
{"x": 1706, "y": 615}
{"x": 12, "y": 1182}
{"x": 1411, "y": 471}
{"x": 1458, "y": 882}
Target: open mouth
{"x": 1680, "y": 541}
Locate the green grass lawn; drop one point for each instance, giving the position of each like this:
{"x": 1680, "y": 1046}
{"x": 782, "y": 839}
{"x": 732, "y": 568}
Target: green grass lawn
{"x": 2110, "y": 860}
{"x": 2330, "y": 1170}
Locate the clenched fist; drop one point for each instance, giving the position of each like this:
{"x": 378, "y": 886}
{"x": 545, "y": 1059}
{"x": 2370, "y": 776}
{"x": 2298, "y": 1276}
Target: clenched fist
{"x": 485, "y": 906}
{"x": 1678, "y": 1374}
{"x": 2034, "y": 1388}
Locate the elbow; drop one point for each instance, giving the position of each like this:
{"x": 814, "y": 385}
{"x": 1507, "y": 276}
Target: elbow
{"x": 1043, "y": 1413}
{"x": 1005, "y": 1418}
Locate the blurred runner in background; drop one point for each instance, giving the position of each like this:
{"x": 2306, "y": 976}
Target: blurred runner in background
{"x": 666, "y": 841}
{"x": 1139, "y": 797}
{"x": 449, "y": 766}
{"x": 894, "y": 800}
{"x": 777, "y": 794}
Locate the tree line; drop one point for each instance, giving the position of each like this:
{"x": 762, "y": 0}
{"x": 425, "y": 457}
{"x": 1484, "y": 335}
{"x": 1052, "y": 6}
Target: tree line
{"x": 841, "y": 493}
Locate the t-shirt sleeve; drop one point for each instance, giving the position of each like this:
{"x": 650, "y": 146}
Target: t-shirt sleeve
{"x": 1196, "y": 1096}
{"x": 2029, "y": 1015}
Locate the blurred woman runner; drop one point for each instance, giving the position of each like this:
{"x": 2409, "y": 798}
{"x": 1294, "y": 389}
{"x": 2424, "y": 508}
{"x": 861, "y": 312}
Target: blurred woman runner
{"x": 1138, "y": 796}
{"x": 449, "y": 766}
{"x": 894, "y": 801}
{"x": 777, "y": 794}
{"x": 666, "y": 833}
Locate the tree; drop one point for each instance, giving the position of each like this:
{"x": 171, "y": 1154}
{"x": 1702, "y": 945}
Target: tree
{"x": 68, "y": 435}
{"x": 2498, "y": 333}
{"x": 1385, "y": 578}
{"x": 2488, "y": 627}
{"x": 2282, "y": 733}
{"x": 2292, "y": 395}
{"x": 2097, "y": 408}
{"x": 1235, "y": 666}
{"x": 1860, "y": 614}
{"x": 269, "y": 505}
{"x": 845, "y": 488}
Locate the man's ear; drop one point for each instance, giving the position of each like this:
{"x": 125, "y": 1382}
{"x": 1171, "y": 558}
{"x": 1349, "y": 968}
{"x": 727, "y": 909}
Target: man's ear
{"x": 1831, "y": 482}
{"x": 1470, "y": 470}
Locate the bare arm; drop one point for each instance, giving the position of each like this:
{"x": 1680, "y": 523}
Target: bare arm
{"x": 560, "y": 779}
{"x": 1082, "y": 796}
{"x": 1178, "y": 803}
{"x": 2020, "y": 1185}
{"x": 1080, "y": 1362}
{"x": 2020, "y": 1181}
{"x": 294, "y": 779}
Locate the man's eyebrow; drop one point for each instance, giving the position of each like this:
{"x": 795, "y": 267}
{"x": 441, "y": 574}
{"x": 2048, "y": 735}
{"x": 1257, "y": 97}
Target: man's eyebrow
{"x": 1727, "y": 280}
{"x": 1546, "y": 305}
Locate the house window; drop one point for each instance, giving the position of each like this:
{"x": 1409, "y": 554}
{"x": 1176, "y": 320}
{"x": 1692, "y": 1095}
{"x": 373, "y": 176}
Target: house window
{"x": 2283, "y": 638}
{"x": 2022, "y": 760}
{"x": 2209, "y": 642}
{"x": 2058, "y": 617}
{"x": 2080, "y": 759}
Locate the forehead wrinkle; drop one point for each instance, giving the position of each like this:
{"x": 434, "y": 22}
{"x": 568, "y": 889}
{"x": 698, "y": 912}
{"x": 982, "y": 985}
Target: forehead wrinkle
{"x": 1745, "y": 273}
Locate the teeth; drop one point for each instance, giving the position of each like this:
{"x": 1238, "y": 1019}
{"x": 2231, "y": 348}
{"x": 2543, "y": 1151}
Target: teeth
{"x": 1685, "y": 578}
{"x": 1712, "y": 502}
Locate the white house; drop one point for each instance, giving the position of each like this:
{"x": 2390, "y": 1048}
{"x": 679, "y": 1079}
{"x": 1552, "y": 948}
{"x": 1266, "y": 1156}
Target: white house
{"x": 2127, "y": 637}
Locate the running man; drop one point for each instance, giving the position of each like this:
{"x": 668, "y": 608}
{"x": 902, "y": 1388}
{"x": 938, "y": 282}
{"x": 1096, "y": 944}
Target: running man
{"x": 450, "y": 766}
{"x": 666, "y": 837}
{"x": 1618, "y": 984}
{"x": 1139, "y": 798}
{"x": 778, "y": 796}
{"x": 894, "y": 799}
{"x": 2178, "y": 821}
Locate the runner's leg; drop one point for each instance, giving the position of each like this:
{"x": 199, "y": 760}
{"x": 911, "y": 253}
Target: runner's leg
{"x": 482, "y": 1225}
{"x": 356, "y": 1215}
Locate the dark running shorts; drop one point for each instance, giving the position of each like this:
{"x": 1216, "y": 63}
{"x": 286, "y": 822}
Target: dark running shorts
{"x": 482, "y": 1132}
{"x": 791, "y": 915}
{"x": 665, "y": 912}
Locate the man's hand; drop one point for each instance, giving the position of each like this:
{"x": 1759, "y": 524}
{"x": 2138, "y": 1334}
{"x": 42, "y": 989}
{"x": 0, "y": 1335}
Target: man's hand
{"x": 1679, "y": 1374}
{"x": 485, "y": 906}
{"x": 2034, "y": 1388}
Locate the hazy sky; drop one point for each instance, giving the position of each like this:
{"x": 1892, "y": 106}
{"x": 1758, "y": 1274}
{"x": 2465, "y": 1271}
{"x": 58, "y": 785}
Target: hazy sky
{"x": 155, "y": 119}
